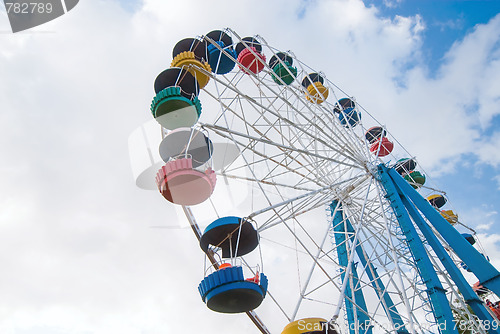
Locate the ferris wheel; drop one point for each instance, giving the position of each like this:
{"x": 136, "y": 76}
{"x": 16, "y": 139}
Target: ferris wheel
{"x": 308, "y": 218}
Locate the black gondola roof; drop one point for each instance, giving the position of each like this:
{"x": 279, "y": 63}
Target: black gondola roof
{"x": 251, "y": 42}
{"x": 199, "y": 47}
{"x": 175, "y": 76}
{"x": 280, "y": 55}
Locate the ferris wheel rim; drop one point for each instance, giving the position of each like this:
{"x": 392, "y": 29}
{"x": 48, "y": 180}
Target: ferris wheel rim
{"x": 301, "y": 153}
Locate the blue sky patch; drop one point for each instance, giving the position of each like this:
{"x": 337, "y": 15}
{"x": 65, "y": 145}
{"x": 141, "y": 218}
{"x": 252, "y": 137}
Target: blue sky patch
{"x": 446, "y": 21}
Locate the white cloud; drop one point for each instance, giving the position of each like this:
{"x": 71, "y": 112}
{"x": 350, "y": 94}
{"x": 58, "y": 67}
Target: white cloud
{"x": 448, "y": 111}
{"x": 392, "y": 3}
{"x": 480, "y": 218}
{"x": 497, "y": 179}
{"x": 490, "y": 244}
{"x": 454, "y": 24}
{"x": 484, "y": 227}
{"x": 488, "y": 150}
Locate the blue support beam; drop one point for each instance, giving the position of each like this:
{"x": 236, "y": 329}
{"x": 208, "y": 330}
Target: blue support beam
{"x": 378, "y": 286}
{"x": 471, "y": 298}
{"x": 343, "y": 255}
{"x": 475, "y": 261}
{"x": 437, "y": 295}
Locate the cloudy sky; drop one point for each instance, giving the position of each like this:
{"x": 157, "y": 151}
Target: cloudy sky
{"x": 77, "y": 251}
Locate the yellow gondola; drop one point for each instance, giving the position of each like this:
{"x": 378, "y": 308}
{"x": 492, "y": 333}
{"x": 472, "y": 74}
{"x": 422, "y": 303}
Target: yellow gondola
{"x": 310, "y": 326}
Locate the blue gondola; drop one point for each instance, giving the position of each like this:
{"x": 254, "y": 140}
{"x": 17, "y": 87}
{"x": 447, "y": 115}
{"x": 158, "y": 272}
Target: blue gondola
{"x": 224, "y": 233}
{"x": 227, "y": 291}
{"x": 221, "y": 57}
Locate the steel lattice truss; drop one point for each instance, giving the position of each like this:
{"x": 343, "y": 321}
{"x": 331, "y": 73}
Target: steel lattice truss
{"x": 296, "y": 159}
